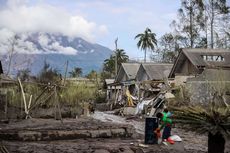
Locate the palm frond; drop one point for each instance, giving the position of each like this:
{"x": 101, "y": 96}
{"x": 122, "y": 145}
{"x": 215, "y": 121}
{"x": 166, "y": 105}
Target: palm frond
{"x": 210, "y": 119}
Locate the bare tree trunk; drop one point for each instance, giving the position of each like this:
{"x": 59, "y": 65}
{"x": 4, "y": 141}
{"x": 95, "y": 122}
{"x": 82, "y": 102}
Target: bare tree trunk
{"x": 212, "y": 22}
{"x": 10, "y": 60}
{"x": 216, "y": 143}
{"x": 191, "y": 25}
{"x": 145, "y": 57}
{"x": 11, "y": 52}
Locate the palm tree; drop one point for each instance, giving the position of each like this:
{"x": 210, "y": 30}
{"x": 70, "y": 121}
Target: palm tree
{"x": 146, "y": 41}
{"x": 109, "y": 64}
{"x": 121, "y": 57}
{"x": 213, "y": 119}
{"x": 76, "y": 72}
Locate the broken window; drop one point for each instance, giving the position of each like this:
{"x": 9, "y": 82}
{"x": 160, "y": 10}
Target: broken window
{"x": 217, "y": 58}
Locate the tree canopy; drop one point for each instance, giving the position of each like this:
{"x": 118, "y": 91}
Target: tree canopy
{"x": 147, "y": 41}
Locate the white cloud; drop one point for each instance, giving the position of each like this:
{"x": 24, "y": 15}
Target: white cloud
{"x": 24, "y": 46}
{"x": 19, "y": 17}
{"x": 43, "y": 39}
{"x": 57, "y": 48}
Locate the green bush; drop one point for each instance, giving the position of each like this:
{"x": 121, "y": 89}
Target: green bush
{"x": 100, "y": 97}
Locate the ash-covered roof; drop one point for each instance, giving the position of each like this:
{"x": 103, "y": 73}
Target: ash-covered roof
{"x": 129, "y": 70}
{"x": 157, "y": 71}
{"x": 202, "y": 58}
{"x": 196, "y": 57}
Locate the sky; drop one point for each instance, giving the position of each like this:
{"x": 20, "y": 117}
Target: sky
{"x": 97, "y": 21}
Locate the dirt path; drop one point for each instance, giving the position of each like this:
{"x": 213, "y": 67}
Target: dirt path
{"x": 109, "y": 117}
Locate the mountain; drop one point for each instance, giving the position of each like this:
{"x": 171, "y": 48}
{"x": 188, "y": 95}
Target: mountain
{"x": 55, "y": 50}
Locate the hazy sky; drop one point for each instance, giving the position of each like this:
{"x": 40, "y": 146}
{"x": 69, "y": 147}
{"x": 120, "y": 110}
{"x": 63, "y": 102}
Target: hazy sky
{"x": 98, "y": 21}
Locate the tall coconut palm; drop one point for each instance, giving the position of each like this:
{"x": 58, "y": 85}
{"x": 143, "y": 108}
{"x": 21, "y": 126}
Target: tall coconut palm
{"x": 212, "y": 119}
{"x": 109, "y": 64}
{"x": 121, "y": 57}
{"x": 146, "y": 41}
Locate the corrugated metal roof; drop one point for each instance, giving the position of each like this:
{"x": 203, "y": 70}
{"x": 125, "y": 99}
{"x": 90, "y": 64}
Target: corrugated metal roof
{"x": 157, "y": 71}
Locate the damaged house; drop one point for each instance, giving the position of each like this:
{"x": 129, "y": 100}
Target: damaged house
{"x": 192, "y": 62}
{"x": 124, "y": 84}
{"x": 199, "y": 69}
{"x": 6, "y": 83}
{"x": 136, "y": 82}
{"x": 151, "y": 77}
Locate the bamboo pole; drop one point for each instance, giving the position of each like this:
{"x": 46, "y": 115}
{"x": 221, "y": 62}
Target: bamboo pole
{"x": 31, "y": 96}
{"x": 23, "y": 96}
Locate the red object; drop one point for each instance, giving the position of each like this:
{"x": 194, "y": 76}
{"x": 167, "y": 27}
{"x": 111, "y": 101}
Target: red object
{"x": 170, "y": 141}
{"x": 158, "y": 132}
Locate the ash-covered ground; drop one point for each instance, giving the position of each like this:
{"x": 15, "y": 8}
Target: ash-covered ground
{"x": 102, "y": 132}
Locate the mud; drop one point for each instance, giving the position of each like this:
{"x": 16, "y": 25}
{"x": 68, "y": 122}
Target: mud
{"x": 129, "y": 137}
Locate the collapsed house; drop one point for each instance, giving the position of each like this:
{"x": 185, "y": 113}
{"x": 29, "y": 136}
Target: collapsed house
{"x": 152, "y": 77}
{"x": 137, "y": 83}
{"x": 153, "y": 85}
{"x": 123, "y": 86}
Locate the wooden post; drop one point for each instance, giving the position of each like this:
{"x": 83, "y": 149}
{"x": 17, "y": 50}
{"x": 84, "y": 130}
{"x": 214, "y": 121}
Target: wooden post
{"x": 6, "y": 106}
{"x": 66, "y": 68}
{"x": 139, "y": 96}
{"x": 24, "y": 98}
{"x": 57, "y": 105}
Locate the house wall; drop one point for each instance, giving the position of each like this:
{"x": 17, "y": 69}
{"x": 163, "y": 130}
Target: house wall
{"x": 201, "y": 92}
{"x": 200, "y": 89}
{"x": 188, "y": 69}
{"x": 181, "y": 80}
{"x": 141, "y": 75}
{"x": 124, "y": 78}
{"x": 120, "y": 75}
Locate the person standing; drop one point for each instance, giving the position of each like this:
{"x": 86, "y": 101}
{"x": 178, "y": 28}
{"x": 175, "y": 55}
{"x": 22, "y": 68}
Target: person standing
{"x": 166, "y": 124}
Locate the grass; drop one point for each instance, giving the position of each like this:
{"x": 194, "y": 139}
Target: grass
{"x": 73, "y": 94}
